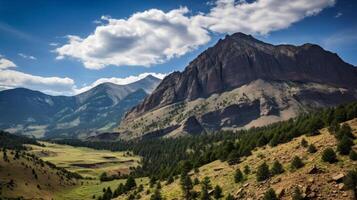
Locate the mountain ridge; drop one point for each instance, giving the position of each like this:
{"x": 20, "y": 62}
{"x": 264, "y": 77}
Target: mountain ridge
{"x": 307, "y": 71}
{"x": 35, "y": 112}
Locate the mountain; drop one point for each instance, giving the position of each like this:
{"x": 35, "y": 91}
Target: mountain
{"x": 96, "y": 110}
{"x": 244, "y": 82}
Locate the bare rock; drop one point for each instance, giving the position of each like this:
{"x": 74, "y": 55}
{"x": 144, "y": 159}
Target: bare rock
{"x": 338, "y": 177}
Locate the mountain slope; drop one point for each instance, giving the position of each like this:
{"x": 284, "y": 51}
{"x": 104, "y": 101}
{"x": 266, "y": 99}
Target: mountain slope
{"x": 97, "y": 110}
{"x": 316, "y": 179}
{"x": 305, "y": 76}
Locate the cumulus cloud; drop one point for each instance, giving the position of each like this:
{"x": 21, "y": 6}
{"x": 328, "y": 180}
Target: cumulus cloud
{"x": 258, "y": 17}
{"x": 10, "y": 78}
{"x": 153, "y": 36}
{"x": 5, "y": 63}
{"x": 145, "y": 38}
{"x": 27, "y": 56}
{"x": 119, "y": 81}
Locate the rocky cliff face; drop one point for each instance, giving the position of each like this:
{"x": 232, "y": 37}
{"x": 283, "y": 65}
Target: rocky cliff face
{"x": 239, "y": 59}
{"x": 243, "y": 82}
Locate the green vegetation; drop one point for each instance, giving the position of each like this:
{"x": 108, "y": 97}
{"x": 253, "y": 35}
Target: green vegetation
{"x": 312, "y": 149}
{"x": 103, "y": 164}
{"x": 263, "y": 172}
{"x": 205, "y": 187}
{"x": 344, "y": 145}
{"x": 217, "y": 192}
{"x": 296, "y": 163}
{"x": 329, "y": 155}
{"x": 353, "y": 155}
{"x": 296, "y": 194}
{"x": 224, "y": 145}
{"x": 270, "y": 195}
{"x": 277, "y": 168}
{"x": 238, "y": 176}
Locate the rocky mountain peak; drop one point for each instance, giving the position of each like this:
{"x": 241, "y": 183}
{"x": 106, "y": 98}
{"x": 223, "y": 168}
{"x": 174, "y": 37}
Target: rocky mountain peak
{"x": 239, "y": 59}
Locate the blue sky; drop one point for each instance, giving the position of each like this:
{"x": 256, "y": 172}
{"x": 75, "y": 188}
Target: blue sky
{"x": 65, "y": 47}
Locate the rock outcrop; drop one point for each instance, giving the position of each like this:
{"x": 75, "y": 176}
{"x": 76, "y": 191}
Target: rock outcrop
{"x": 239, "y": 59}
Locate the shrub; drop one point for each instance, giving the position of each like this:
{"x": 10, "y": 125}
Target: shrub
{"x": 329, "y": 155}
{"x": 350, "y": 180}
{"x": 270, "y": 195}
{"x": 296, "y": 163}
{"x": 238, "y": 176}
{"x": 263, "y": 172}
{"x": 344, "y": 145}
{"x": 277, "y": 168}
{"x": 217, "y": 192}
{"x": 296, "y": 194}
{"x": 312, "y": 149}
{"x": 353, "y": 155}
{"x": 304, "y": 143}
{"x": 246, "y": 170}
{"x": 229, "y": 197}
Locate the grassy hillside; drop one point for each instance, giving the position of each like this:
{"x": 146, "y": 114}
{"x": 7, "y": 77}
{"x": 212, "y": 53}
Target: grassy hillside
{"x": 85, "y": 161}
{"x": 23, "y": 175}
{"x": 319, "y": 185}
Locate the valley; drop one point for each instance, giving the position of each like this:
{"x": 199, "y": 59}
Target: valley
{"x": 87, "y": 162}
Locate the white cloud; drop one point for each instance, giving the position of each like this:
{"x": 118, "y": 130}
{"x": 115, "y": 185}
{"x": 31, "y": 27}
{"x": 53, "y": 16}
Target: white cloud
{"x": 338, "y": 15}
{"x": 258, "y": 17}
{"x": 55, "y": 85}
{"x": 119, "y": 81}
{"x": 54, "y": 44}
{"x": 153, "y": 36}
{"x": 5, "y": 63}
{"x": 144, "y": 39}
{"x": 27, "y": 56}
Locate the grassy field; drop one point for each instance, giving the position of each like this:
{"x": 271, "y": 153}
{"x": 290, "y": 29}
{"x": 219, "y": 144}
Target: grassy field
{"x": 92, "y": 187}
{"x": 85, "y": 161}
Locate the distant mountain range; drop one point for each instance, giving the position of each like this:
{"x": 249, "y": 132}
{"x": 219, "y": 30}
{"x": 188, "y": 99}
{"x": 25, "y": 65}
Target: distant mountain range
{"x": 242, "y": 82}
{"x": 99, "y": 109}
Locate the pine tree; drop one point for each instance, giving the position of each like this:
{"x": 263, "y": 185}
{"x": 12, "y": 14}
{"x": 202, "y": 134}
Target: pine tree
{"x": 312, "y": 149}
{"x": 217, "y": 192}
{"x": 238, "y": 176}
{"x": 130, "y": 183}
{"x": 156, "y": 195}
{"x": 344, "y": 146}
{"x": 229, "y": 197}
{"x": 246, "y": 170}
{"x": 205, "y": 187}
{"x": 277, "y": 168}
{"x": 329, "y": 155}
{"x": 263, "y": 172}
{"x": 304, "y": 143}
{"x": 296, "y": 163}
{"x": 296, "y": 194}
{"x": 353, "y": 155}
{"x": 270, "y": 195}
{"x": 186, "y": 185}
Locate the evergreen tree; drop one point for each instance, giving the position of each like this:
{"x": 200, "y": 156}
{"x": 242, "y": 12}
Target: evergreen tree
{"x": 277, "y": 168}
{"x": 170, "y": 180}
{"x": 246, "y": 170}
{"x": 263, "y": 172}
{"x": 196, "y": 181}
{"x": 205, "y": 187}
{"x": 187, "y": 186}
{"x": 329, "y": 155}
{"x": 296, "y": 163}
{"x": 344, "y": 146}
{"x": 304, "y": 143}
{"x": 270, "y": 195}
{"x": 353, "y": 155}
{"x": 296, "y": 194}
{"x": 217, "y": 192}
{"x": 156, "y": 195}
{"x": 350, "y": 181}
{"x": 229, "y": 197}
{"x": 238, "y": 176}
{"x": 130, "y": 183}
{"x": 312, "y": 149}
